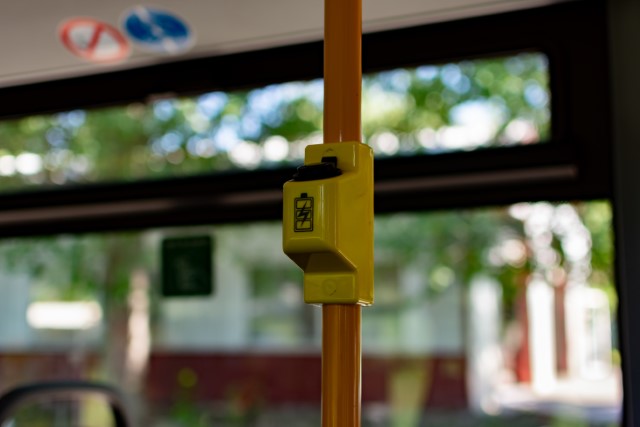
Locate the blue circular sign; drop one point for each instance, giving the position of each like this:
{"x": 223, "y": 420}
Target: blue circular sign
{"x": 157, "y": 30}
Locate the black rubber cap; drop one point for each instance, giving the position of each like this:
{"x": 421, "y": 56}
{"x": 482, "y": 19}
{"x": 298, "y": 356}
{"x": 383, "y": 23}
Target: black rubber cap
{"x": 324, "y": 170}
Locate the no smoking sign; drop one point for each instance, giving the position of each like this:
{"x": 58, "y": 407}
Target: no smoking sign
{"x": 94, "y": 40}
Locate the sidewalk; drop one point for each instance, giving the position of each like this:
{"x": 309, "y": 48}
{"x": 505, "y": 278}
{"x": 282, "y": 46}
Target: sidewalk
{"x": 597, "y": 401}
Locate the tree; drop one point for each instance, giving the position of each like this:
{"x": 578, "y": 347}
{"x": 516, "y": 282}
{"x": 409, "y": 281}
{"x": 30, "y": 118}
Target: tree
{"x": 425, "y": 110}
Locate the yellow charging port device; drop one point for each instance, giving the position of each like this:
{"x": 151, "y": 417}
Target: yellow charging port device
{"x": 328, "y": 223}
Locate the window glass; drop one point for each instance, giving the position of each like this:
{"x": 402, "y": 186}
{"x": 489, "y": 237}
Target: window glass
{"x": 503, "y": 316}
{"x": 425, "y": 110}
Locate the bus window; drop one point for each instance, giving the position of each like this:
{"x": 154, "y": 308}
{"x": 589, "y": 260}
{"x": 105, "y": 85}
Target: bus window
{"x": 486, "y": 316}
{"x": 432, "y": 109}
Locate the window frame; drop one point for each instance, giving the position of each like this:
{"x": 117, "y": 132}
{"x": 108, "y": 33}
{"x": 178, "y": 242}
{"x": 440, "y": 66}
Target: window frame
{"x": 575, "y": 164}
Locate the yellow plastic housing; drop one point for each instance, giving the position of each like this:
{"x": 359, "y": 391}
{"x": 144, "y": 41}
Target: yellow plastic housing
{"x": 328, "y": 226}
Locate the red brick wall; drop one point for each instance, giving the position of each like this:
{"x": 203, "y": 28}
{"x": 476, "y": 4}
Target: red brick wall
{"x": 295, "y": 378}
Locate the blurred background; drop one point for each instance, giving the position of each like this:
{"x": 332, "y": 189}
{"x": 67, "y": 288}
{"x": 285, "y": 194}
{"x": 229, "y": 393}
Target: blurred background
{"x": 490, "y": 316}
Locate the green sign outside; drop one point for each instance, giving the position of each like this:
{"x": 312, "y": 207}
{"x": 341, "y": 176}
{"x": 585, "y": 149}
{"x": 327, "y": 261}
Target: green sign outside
{"x": 187, "y": 267}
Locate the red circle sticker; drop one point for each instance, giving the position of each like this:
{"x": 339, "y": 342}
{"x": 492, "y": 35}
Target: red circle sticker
{"x": 94, "y": 40}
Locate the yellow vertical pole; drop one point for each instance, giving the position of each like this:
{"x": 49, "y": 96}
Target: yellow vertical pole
{"x": 341, "y": 365}
{"x": 341, "y": 336}
{"x": 342, "y": 70}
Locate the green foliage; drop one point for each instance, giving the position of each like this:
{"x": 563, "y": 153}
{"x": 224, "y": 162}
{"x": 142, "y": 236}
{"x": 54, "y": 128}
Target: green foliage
{"x": 404, "y": 101}
{"x": 69, "y": 268}
{"x": 454, "y": 247}
{"x": 451, "y": 246}
{"x": 175, "y": 137}
{"x": 598, "y": 219}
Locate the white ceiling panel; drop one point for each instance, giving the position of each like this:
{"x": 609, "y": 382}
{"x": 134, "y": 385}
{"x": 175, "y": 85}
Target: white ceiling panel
{"x": 32, "y": 50}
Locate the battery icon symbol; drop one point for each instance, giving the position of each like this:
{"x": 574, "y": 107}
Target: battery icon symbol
{"x": 303, "y": 213}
